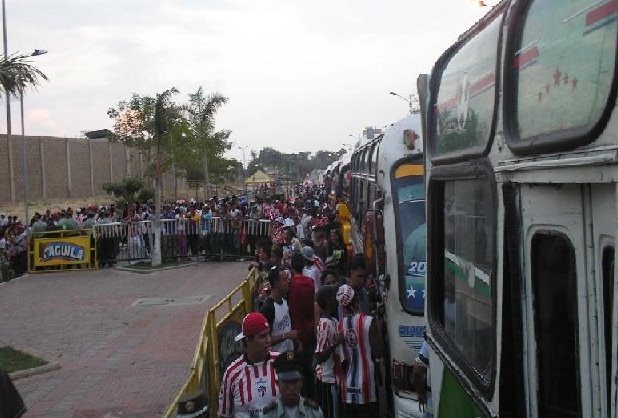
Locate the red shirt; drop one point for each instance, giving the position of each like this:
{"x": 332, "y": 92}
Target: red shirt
{"x": 300, "y": 301}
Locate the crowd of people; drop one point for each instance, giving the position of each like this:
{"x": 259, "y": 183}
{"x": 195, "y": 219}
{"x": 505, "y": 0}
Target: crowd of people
{"x": 313, "y": 344}
{"x": 191, "y": 237}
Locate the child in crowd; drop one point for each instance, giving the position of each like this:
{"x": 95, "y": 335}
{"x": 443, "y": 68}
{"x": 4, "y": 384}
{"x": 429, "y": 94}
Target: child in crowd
{"x": 328, "y": 352}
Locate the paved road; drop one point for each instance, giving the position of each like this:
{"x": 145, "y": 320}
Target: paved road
{"x": 118, "y": 358}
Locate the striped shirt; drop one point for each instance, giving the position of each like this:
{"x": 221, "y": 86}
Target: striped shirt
{"x": 317, "y": 261}
{"x": 246, "y": 388}
{"x": 359, "y": 384}
{"x": 327, "y": 337}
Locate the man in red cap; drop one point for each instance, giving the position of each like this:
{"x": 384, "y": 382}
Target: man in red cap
{"x": 249, "y": 383}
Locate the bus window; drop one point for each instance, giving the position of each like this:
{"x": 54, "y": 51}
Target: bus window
{"x": 463, "y": 305}
{"x": 374, "y": 159}
{"x": 607, "y": 271}
{"x": 462, "y": 118}
{"x": 409, "y": 189}
{"x": 555, "y": 296}
{"x": 563, "y": 63}
{"x": 364, "y": 168}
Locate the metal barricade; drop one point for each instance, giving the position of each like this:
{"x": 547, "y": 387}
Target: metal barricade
{"x": 220, "y": 239}
{"x": 216, "y": 348}
{"x": 61, "y": 250}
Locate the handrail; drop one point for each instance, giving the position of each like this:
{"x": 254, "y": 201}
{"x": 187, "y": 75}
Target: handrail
{"x": 207, "y": 352}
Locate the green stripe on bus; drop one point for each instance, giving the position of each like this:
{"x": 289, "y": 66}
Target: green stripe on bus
{"x": 454, "y": 401}
{"x": 481, "y": 287}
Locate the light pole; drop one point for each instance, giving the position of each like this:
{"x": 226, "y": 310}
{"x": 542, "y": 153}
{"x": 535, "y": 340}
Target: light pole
{"x": 24, "y": 159}
{"x": 411, "y": 100}
{"x": 244, "y": 169}
{"x": 8, "y": 112}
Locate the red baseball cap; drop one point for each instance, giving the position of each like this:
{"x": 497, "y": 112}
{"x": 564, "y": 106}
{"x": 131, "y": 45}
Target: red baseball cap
{"x": 254, "y": 323}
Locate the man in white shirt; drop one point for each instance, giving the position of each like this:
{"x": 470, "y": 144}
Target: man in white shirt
{"x": 310, "y": 269}
{"x": 276, "y": 311}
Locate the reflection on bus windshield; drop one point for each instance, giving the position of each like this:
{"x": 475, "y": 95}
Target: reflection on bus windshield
{"x": 467, "y": 257}
{"x": 413, "y": 236}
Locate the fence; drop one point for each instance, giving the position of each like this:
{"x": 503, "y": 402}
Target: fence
{"x": 216, "y": 348}
{"x": 216, "y": 239}
{"x": 60, "y": 250}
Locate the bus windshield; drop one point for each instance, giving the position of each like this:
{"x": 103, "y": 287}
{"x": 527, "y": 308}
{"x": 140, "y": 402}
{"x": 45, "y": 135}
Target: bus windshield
{"x": 409, "y": 189}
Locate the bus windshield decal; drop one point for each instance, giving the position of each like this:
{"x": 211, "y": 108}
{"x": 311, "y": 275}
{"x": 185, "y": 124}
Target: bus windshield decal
{"x": 464, "y": 108}
{"x": 564, "y": 71}
{"x": 412, "y": 234}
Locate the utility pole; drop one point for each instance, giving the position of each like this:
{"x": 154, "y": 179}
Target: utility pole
{"x": 8, "y": 111}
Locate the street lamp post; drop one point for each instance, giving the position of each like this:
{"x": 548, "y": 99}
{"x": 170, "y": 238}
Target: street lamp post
{"x": 411, "y": 100}
{"x": 8, "y": 112}
{"x": 244, "y": 168}
{"x": 24, "y": 159}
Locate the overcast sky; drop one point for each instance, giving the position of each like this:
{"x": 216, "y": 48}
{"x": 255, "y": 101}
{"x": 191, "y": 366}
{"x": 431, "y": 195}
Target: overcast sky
{"x": 299, "y": 75}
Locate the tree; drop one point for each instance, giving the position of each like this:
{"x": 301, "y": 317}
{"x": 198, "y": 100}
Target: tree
{"x": 208, "y": 144}
{"x": 168, "y": 133}
{"x": 129, "y": 190}
{"x": 151, "y": 124}
{"x": 17, "y": 74}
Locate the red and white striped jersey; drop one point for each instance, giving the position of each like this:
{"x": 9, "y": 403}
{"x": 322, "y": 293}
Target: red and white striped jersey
{"x": 359, "y": 384}
{"x": 327, "y": 337}
{"x": 317, "y": 261}
{"x": 246, "y": 388}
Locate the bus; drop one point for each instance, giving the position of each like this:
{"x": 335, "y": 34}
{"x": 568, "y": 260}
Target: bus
{"x": 522, "y": 188}
{"x": 386, "y": 214}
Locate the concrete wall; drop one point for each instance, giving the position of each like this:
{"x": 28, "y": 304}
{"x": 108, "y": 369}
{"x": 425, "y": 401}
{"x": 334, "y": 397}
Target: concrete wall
{"x": 70, "y": 168}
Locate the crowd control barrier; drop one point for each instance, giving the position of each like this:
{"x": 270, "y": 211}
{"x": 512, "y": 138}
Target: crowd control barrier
{"x": 216, "y": 347}
{"x": 218, "y": 239}
{"x": 61, "y": 250}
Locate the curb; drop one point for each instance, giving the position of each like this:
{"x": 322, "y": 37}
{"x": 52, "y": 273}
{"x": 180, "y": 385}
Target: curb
{"x": 20, "y": 374}
{"x": 23, "y": 276}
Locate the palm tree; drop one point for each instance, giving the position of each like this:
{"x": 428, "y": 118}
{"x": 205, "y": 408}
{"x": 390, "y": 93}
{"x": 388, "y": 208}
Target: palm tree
{"x": 202, "y": 109}
{"x": 16, "y": 74}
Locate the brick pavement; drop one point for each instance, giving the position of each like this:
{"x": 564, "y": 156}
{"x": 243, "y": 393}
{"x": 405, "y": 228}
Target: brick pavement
{"x": 117, "y": 360}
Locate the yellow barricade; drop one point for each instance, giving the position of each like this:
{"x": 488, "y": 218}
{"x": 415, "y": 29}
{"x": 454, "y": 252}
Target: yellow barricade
{"x": 216, "y": 348}
{"x": 58, "y": 250}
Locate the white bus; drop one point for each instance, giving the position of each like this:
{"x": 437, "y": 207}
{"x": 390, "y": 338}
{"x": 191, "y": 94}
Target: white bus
{"x": 386, "y": 203}
{"x": 522, "y": 180}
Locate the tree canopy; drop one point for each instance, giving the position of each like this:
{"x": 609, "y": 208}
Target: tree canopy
{"x": 17, "y": 74}
{"x": 293, "y": 166}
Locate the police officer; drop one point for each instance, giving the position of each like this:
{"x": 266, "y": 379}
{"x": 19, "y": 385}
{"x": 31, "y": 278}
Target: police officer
{"x": 290, "y": 404}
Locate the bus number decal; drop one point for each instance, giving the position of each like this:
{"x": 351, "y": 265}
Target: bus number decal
{"x": 418, "y": 268}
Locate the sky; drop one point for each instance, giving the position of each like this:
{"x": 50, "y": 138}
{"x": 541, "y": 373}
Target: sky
{"x": 299, "y": 75}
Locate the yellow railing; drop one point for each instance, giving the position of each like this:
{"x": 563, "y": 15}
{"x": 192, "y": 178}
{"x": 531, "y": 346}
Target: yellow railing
{"x": 221, "y": 323}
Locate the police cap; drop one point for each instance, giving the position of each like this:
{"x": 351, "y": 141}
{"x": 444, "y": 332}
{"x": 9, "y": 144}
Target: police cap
{"x": 288, "y": 367}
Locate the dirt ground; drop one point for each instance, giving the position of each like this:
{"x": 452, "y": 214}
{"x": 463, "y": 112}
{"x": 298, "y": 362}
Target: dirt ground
{"x": 55, "y": 205}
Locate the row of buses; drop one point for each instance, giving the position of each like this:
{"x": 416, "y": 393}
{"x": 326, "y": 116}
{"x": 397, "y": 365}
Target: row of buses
{"x": 489, "y": 218}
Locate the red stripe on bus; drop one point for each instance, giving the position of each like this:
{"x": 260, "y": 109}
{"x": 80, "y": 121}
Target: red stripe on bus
{"x": 483, "y": 83}
{"x": 524, "y": 58}
{"x": 601, "y": 12}
{"x": 447, "y": 104}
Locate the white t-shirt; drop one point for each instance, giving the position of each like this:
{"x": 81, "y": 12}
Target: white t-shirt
{"x": 282, "y": 325}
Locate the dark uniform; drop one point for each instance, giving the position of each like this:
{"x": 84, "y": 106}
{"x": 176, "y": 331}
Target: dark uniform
{"x": 288, "y": 369}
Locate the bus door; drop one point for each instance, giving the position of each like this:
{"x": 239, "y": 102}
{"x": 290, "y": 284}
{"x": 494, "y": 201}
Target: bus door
{"x": 567, "y": 252}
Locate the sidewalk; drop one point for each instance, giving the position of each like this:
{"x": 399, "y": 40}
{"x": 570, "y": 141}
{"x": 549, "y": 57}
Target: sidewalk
{"x": 124, "y": 341}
